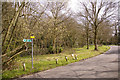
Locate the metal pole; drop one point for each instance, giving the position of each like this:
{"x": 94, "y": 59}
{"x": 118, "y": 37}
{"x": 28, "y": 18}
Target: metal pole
{"x": 32, "y": 52}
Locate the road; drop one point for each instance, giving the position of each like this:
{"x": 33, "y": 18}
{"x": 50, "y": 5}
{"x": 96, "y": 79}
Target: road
{"x": 101, "y": 66}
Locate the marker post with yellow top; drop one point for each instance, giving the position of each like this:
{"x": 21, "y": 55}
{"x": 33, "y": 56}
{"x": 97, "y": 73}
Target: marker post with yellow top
{"x": 32, "y": 47}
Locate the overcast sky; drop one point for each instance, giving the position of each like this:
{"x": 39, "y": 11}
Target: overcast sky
{"x": 74, "y": 4}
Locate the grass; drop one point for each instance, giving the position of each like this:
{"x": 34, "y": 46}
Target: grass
{"x": 45, "y": 62}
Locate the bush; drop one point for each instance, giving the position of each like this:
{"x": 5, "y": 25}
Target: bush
{"x": 50, "y": 50}
{"x": 57, "y": 50}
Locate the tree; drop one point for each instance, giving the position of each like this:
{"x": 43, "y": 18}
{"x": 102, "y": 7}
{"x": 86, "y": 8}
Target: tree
{"x": 87, "y": 28}
{"x": 8, "y": 34}
{"x": 11, "y": 28}
{"x": 96, "y": 13}
{"x": 105, "y": 33}
{"x": 56, "y": 17}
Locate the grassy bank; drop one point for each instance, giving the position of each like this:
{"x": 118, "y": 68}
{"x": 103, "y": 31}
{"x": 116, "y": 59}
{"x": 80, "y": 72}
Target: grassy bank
{"x": 44, "y": 62}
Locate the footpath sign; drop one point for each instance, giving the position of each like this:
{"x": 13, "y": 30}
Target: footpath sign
{"x": 30, "y": 40}
{"x": 27, "y": 40}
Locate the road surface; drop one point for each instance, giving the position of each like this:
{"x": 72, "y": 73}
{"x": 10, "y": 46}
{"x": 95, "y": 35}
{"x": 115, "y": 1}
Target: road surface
{"x": 101, "y": 66}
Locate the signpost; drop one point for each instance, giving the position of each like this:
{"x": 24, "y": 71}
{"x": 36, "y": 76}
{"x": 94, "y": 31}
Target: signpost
{"x": 32, "y": 48}
{"x": 30, "y": 40}
{"x": 24, "y": 40}
{"x": 27, "y": 40}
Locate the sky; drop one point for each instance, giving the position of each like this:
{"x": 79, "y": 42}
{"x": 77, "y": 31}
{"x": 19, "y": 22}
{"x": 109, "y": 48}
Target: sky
{"x": 74, "y": 4}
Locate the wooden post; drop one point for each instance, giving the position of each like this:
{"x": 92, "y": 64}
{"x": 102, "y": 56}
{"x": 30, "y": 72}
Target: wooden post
{"x": 26, "y": 46}
{"x": 56, "y": 61}
{"x": 24, "y": 67}
{"x": 75, "y": 57}
{"x": 106, "y": 47}
{"x": 66, "y": 58}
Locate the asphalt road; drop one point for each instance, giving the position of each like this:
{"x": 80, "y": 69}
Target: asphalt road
{"x": 101, "y": 66}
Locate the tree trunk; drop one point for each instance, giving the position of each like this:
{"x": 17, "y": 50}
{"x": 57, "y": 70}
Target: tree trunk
{"x": 87, "y": 42}
{"x": 54, "y": 46}
{"x": 87, "y": 38}
{"x": 95, "y": 39}
{"x": 11, "y": 28}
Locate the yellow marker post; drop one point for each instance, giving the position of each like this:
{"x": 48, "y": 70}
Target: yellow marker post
{"x": 32, "y": 36}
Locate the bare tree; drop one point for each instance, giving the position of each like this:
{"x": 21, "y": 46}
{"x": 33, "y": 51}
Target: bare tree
{"x": 11, "y": 27}
{"x": 57, "y": 13}
{"x": 20, "y": 18}
{"x": 96, "y": 13}
{"x": 8, "y": 36}
{"x": 86, "y": 26}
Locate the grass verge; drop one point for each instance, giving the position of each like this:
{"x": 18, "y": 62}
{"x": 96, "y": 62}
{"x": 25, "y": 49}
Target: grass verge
{"x": 45, "y": 62}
